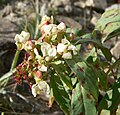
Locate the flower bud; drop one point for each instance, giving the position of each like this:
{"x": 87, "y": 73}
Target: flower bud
{"x": 24, "y": 36}
{"x": 41, "y": 88}
{"x": 42, "y": 68}
{"x": 52, "y": 52}
{"x": 62, "y": 27}
{"x": 46, "y": 20}
{"x": 29, "y": 45}
{"x": 61, "y": 48}
{"x": 67, "y": 55}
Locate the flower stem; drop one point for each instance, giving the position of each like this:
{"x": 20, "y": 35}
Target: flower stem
{"x": 15, "y": 60}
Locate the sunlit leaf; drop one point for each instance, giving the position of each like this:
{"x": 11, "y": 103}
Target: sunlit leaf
{"x": 62, "y": 72}
{"x": 109, "y": 23}
{"x": 111, "y": 99}
{"x": 60, "y": 94}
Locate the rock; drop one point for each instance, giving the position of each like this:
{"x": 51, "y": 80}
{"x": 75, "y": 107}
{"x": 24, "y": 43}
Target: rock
{"x": 7, "y": 46}
{"x": 56, "y": 3}
{"x": 66, "y": 2}
{"x": 95, "y": 18}
{"x": 23, "y": 8}
{"x": 7, "y": 30}
{"x": 116, "y": 50}
{"x": 114, "y": 6}
{"x": 44, "y": 9}
{"x": 68, "y": 8}
{"x": 20, "y": 6}
{"x": 61, "y": 5}
{"x": 102, "y": 4}
{"x": 69, "y": 21}
{"x": 80, "y": 4}
{"x": 6, "y": 11}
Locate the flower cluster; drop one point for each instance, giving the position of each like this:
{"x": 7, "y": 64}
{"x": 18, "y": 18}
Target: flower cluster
{"x": 52, "y": 45}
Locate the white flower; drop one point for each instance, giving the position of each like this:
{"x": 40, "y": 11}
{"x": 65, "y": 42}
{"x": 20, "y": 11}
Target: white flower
{"x": 44, "y": 48}
{"x": 39, "y": 59}
{"x": 47, "y": 29}
{"x": 48, "y": 50}
{"x": 67, "y": 55}
{"x": 36, "y": 52}
{"x": 64, "y": 48}
{"x": 54, "y": 30}
{"x": 61, "y": 47}
{"x": 41, "y": 88}
{"x": 62, "y": 27}
{"x": 24, "y": 36}
{"x": 28, "y": 45}
{"x": 35, "y": 90}
{"x": 65, "y": 41}
{"x": 52, "y": 52}
{"x": 50, "y": 29}
{"x": 69, "y": 45}
{"x": 42, "y": 68}
{"x": 72, "y": 47}
{"x": 47, "y": 18}
{"x": 19, "y": 38}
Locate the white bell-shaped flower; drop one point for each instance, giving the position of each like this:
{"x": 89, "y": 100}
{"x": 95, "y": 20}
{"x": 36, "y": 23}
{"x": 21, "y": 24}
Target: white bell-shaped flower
{"x": 47, "y": 18}
{"x": 62, "y": 27}
{"x": 72, "y": 47}
{"x": 36, "y": 52}
{"x": 44, "y": 48}
{"x": 42, "y": 68}
{"x": 24, "y": 36}
{"x": 52, "y": 52}
{"x": 41, "y": 88}
{"x": 67, "y": 55}
{"x": 48, "y": 50}
{"x": 61, "y": 47}
{"x": 50, "y": 29}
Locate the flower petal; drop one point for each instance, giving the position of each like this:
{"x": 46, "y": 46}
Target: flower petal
{"x": 44, "y": 48}
{"x": 52, "y": 52}
{"x": 25, "y": 35}
{"x": 72, "y": 47}
{"x": 62, "y": 27}
{"x": 41, "y": 88}
{"x": 67, "y": 55}
{"x": 61, "y": 48}
{"x": 42, "y": 68}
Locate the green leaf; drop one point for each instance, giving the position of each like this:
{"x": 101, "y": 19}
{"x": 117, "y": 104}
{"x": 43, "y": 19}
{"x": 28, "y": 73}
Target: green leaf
{"x": 87, "y": 88}
{"x": 60, "y": 94}
{"x": 109, "y": 23}
{"x": 102, "y": 78}
{"x": 77, "y": 107}
{"x": 82, "y": 102}
{"x": 86, "y": 76}
{"x": 5, "y": 78}
{"x": 97, "y": 43}
{"x": 89, "y": 103}
{"x": 111, "y": 99}
{"x": 62, "y": 72}
{"x": 77, "y": 32}
{"x": 106, "y": 53}
{"x": 31, "y": 30}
